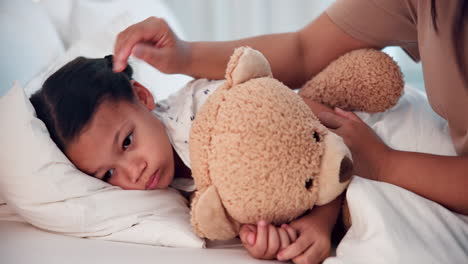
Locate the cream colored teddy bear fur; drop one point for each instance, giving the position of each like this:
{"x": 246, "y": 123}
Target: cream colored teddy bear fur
{"x": 361, "y": 80}
{"x": 258, "y": 152}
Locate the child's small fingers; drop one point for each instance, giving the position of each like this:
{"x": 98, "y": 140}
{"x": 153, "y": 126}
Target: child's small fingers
{"x": 274, "y": 242}
{"x": 291, "y": 232}
{"x": 261, "y": 242}
{"x": 284, "y": 238}
{"x": 251, "y": 239}
{"x": 247, "y": 236}
{"x": 252, "y": 228}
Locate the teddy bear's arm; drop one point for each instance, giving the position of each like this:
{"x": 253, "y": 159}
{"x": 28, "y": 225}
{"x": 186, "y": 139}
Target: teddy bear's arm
{"x": 209, "y": 217}
{"x": 362, "y": 80}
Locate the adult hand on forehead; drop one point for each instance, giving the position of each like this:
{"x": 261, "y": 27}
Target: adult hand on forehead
{"x": 367, "y": 149}
{"x": 153, "y": 41}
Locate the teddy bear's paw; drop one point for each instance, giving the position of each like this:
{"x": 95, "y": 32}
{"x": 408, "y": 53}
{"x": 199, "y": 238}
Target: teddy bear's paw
{"x": 245, "y": 64}
{"x": 209, "y": 217}
{"x": 361, "y": 80}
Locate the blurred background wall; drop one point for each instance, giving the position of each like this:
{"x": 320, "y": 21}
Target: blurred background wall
{"x": 233, "y": 19}
{"x": 37, "y": 32}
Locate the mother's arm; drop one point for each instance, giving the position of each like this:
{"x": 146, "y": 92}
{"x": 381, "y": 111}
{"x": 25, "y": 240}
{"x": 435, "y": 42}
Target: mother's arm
{"x": 442, "y": 179}
{"x": 295, "y": 57}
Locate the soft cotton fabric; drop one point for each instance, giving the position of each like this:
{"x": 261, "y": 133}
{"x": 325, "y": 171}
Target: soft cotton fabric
{"x": 394, "y": 225}
{"x": 29, "y": 42}
{"x": 177, "y": 113}
{"x": 43, "y": 186}
{"x": 101, "y": 43}
{"x": 408, "y": 23}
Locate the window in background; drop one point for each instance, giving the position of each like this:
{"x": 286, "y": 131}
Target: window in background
{"x": 233, "y": 19}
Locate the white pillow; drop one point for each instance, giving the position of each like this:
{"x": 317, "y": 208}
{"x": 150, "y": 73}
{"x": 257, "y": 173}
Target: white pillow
{"x": 80, "y": 19}
{"x": 29, "y": 42}
{"x": 43, "y": 186}
{"x": 59, "y": 12}
{"x": 101, "y": 43}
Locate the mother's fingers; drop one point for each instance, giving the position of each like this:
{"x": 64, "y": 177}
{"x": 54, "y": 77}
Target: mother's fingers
{"x": 145, "y": 31}
{"x": 348, "y": 115}
{"x": 120, "y": 55}
{"x": 331, "y": 120}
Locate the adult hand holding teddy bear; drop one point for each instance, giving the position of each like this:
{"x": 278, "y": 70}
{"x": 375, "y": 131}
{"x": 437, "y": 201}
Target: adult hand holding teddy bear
{"x": 259, "y": 153}
{"x": 259, "y": 130}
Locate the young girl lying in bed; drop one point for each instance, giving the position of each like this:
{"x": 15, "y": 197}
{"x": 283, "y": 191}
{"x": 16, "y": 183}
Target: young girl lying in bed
{"x": 435, "y": 32}
{"x": 117, "y": 139}
{"x": 107, "y": 124}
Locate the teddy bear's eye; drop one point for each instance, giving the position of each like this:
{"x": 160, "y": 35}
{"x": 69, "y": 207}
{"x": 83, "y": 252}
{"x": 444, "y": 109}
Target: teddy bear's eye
{"x": 309, "y": 182}
{"x": 316, "y": 136}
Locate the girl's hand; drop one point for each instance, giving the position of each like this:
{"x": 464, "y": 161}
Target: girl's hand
{"x": 264, "y": 241}
{"x": 367, "y": 148}
{"x": 153, "y": 41}
{"x": 313, "y": 244}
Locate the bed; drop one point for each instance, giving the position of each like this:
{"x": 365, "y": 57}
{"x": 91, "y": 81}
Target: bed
{"x": 22, "y": 243}
{"x": 390, "y": 225}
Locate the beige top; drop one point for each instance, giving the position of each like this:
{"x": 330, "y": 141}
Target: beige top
{"x": 408, "y": 23}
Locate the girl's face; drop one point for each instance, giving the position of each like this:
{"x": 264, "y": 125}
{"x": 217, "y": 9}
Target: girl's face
{"x": 126, "y": 145}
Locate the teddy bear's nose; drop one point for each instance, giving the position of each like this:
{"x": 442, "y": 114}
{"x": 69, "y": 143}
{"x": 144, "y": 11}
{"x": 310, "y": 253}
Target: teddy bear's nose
{"x": 346, "y": 169}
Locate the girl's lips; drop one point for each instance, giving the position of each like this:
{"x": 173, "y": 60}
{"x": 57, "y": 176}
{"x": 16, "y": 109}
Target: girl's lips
{"x": 153, "y": 181}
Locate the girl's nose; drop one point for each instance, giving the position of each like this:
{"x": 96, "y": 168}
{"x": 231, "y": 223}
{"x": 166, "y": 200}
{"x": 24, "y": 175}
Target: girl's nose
{"x": 133, "y": 168}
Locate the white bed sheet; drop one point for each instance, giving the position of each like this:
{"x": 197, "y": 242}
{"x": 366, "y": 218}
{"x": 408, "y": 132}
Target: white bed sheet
{"x": 25, "y": 244}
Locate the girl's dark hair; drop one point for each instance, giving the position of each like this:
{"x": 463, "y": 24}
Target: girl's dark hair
{"x": 457, "y": 33}
{"x": 69, "y": 98}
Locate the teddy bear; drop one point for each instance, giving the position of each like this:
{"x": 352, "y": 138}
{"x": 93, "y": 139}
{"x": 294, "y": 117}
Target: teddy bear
{"x": 259, "y": 152}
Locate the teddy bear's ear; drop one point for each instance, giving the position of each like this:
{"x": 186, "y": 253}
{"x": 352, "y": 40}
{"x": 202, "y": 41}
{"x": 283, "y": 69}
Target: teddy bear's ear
{"x": 245, "y": 64}
{"x": 209, "y": 217}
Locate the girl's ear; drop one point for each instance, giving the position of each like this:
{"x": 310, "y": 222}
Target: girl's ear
{"x": 143, "y": 95}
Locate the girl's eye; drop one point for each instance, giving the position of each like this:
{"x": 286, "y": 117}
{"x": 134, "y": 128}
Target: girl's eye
{"x": 108, "y": 175}
{"x": 127, "y": 141}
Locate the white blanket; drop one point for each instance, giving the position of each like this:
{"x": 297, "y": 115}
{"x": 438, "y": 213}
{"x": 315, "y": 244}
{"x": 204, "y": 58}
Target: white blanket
{"x": 391, "y": 224}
